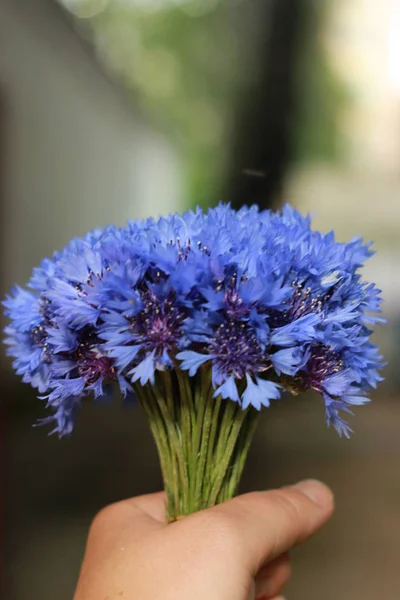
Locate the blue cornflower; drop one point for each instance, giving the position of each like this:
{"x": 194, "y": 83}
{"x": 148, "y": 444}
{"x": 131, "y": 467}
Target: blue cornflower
{"x": 259, "y": 299}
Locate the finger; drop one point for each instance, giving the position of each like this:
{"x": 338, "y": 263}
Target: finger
{"x": 262, "y": 525}
{"x": 272, "y": 578}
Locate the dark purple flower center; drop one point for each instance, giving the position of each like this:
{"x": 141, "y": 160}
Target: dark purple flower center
{"x": 302, "y": 302}
{"x": 323, "y": 363}
{"x": 236, "y": 350}
{"x": 39, "y": 339}
{"x": 234, "y": 305}
{"x": 92, "y": 366}
{"x": 159, "y": 324}
{"x": 39, "y": 336}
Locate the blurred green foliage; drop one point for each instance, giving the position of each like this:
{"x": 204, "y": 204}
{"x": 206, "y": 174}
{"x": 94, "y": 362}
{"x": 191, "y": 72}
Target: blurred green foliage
{"x": 187, "y": 64}
{"x": 184, "y": 73}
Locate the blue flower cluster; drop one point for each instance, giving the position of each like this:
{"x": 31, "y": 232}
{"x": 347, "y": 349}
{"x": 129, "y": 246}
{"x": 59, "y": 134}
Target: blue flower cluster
{"x": 265, "y": 301}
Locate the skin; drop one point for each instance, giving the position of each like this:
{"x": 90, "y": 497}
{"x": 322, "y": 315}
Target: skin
{"x": 235, "y": 551}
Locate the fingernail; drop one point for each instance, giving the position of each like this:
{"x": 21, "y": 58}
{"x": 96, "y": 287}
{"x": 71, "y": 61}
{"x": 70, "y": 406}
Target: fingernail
{"x": 316, "y": 491}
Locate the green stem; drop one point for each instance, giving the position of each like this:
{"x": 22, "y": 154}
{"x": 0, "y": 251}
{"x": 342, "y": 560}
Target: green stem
{"x": 168, "y": 391}
{"x": 178, "y": 443}
{"x": 230, "y": 409}
{"x": 242, "y": 451}
{"x": 202, "y": 441}
{"x": 225, "y": 459}
{"x": 167, "y": 461}
{"x": 187, "y": 411}
{"x": 204, "y": 426}
{"x": 214, "y": 429}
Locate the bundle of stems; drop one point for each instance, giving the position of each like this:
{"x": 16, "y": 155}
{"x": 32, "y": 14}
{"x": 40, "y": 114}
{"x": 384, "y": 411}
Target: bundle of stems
{"x": 202, "y": 440}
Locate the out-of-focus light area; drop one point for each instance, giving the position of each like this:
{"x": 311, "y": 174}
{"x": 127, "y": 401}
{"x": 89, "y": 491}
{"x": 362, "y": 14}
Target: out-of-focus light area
{"x": 117, "y": 109}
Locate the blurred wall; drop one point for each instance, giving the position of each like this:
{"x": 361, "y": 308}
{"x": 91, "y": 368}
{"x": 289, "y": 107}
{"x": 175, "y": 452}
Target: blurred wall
{"x": 76, "y": 154}
{"x": 358, "y": 193}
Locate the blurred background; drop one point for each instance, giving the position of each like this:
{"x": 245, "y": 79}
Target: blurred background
{"x": 116, "y": 109}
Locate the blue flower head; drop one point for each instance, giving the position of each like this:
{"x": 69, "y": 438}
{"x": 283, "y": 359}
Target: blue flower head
{"x": 258, "y": 298}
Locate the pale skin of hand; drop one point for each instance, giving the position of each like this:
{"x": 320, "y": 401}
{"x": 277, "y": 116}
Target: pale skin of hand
{"x": 235, "y": 551}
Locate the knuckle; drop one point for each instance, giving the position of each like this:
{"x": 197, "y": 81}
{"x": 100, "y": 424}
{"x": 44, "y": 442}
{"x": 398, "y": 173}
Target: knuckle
{"x": 289, "y": 502}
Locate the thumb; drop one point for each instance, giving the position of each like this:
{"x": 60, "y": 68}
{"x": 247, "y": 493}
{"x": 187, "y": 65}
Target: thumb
{"x": 264, "y": 525}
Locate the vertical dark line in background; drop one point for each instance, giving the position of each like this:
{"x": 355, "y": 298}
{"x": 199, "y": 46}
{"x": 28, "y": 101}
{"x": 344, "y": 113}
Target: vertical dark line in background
{"x": 2, "y": 387}
{"x": 262, "y": 148}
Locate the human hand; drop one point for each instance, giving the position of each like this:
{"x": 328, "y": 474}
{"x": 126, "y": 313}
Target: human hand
{"x": 233, "y": 551}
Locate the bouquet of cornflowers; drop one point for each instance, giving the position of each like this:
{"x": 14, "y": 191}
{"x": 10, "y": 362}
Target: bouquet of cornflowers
{"x": 205, "y": 318}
